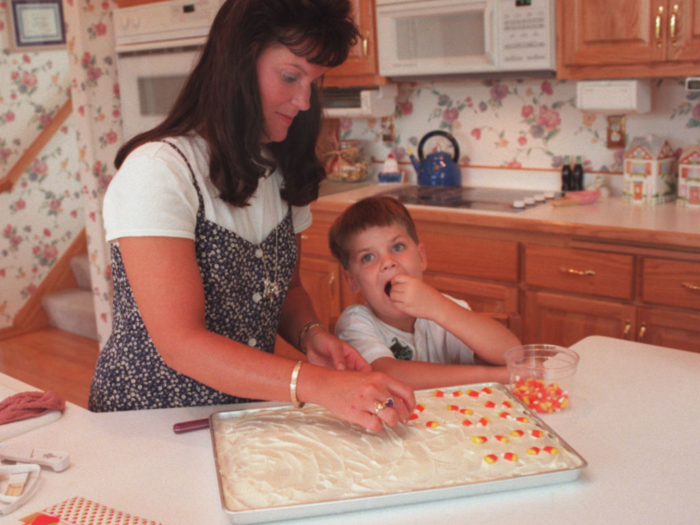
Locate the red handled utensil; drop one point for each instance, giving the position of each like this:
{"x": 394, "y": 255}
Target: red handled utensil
{"x": 189, "y": 426}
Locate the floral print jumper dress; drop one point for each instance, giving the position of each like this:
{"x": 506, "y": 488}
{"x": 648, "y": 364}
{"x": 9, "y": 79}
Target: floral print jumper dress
{"x": 130, "y": 373}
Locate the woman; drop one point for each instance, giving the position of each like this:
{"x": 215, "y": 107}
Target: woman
{"x": 204, "y": 217}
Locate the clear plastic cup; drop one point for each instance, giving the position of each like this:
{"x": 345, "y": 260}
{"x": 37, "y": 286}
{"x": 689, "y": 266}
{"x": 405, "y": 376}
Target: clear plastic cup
{"x": 542, "y": 376}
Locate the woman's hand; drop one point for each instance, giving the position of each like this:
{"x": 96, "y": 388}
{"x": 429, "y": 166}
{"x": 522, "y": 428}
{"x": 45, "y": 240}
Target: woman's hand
{"x": 358, "y": 397}
{"x": 325, "y": 349}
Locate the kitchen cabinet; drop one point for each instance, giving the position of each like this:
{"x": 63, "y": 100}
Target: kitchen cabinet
{"x": 564, "y": 282}
{"x": 362, "y": 66}
{"x": 627, "y": 38}
{"x": 615, "y": 306}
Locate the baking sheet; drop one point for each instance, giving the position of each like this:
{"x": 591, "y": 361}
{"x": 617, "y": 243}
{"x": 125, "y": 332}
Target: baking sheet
{"x": 356, "y": 503}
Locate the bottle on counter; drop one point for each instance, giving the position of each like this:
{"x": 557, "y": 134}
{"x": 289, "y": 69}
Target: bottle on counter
{"x": 577, "y": 175}
{"x": 566, "y": 176}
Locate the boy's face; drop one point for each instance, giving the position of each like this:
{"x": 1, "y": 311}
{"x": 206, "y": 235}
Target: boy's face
{"x": 376, "y": 255}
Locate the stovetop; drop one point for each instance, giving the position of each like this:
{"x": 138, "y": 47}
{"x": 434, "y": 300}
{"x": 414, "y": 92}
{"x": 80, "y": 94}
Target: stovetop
{"x": 475, "y": 198}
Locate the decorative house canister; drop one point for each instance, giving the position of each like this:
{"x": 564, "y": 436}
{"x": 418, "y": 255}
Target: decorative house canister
{"x": 650, "y": 171}
{"x": 689, "y": 177}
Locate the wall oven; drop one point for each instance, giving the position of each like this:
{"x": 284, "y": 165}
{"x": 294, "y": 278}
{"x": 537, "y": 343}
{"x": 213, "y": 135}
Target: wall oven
{"x": 157, "y": 46}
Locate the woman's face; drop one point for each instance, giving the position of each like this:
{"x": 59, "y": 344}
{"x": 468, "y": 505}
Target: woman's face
{"x": 285, "y": 88}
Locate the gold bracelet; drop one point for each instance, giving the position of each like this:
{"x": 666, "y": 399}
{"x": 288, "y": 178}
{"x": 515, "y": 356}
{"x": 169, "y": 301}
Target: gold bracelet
{"x": 293, "y": 385}
{"x": 306, "y": 328}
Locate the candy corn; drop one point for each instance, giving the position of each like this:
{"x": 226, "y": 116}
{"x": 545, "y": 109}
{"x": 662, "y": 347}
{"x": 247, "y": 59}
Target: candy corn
{"x": 541, "y": 397}
{"x": 491, "y": 458}
{"x": 432, "y": 424}
{"x": 510, "y": 456}
{"x": 479, "y": 440}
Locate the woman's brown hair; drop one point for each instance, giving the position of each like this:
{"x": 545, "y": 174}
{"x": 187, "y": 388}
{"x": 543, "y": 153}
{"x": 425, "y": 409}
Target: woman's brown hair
{"x": 221, "y": 98}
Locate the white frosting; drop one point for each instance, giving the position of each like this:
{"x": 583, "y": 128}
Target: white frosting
{"x": 283, "y": 456}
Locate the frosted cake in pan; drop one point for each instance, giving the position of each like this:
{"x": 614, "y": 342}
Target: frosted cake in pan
{"x": 284, "y": 456}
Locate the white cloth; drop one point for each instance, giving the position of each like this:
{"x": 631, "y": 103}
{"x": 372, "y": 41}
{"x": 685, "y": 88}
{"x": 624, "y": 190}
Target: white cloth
{"x": 152, "y": 195}
{"x": 373, "y": 338}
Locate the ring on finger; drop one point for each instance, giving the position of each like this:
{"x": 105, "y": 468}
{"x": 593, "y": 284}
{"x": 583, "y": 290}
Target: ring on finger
{"x": 378, "y": 407}
{"x": 389, "y": 402}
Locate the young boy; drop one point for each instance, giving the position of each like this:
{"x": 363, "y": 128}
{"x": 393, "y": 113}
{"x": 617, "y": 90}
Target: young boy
{"x": 408, "y": 329}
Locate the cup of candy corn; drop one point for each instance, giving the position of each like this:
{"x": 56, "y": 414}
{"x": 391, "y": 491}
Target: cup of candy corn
{"x": 542, "y": 376}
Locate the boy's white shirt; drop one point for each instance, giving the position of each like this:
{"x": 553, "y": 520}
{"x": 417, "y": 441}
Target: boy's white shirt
{"x": 373, "y": 338}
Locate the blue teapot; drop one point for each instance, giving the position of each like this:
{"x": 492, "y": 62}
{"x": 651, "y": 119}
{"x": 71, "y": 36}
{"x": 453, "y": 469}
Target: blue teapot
{"x": 439, "y": 168}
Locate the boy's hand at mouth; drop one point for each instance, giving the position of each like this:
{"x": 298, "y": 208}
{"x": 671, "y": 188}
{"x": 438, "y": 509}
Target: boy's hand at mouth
{"x": 414, "y": 297}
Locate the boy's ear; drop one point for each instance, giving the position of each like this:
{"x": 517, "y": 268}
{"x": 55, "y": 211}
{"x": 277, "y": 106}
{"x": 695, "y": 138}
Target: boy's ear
{"x": 347, "y": 276}
{"x": 423, "y": 257}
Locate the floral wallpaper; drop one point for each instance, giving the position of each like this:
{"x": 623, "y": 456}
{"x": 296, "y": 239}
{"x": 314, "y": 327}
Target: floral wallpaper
{"x": 42, "y": 214}
{"x": 61, "y": 193}
{"x": 523, "y": 123}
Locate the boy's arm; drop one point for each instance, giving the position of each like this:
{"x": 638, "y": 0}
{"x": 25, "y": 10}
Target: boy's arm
{"x": 487, "y": 338}
{"x": 420, "y": 375}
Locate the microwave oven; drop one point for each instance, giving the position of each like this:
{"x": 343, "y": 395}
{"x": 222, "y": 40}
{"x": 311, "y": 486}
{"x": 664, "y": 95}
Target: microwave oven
{"x": 453, "y": 37}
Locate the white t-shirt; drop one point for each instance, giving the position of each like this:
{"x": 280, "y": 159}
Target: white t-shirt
{"x": 152, "y": 195}
{"x": 374, "y": 339}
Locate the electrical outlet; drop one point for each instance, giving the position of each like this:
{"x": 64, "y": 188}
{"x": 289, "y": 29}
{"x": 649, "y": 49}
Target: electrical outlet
{"x": 616, "y": 131}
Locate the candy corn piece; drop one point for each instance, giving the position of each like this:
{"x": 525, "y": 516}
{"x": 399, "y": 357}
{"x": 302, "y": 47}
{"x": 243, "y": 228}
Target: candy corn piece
{"x": 420, "y": 407}
{"x": 452, "y": 407}
{"x": 537, "y": 433}
{"x": 491, "y": 458}
{"x": 487, "y": 390}
{"x": 457, "y": 393}
{"x": 533, "y": 451}
{"x": 438, "y": 393}
{"x": 432, "y": 424}
{"x": 503, "y": 439}
{"x": 484, "y": 421}
{"x": 479, "y": 440}
{"x": 507, "y": 404}
{"x": 504, "y": 414}
{"x": 489, "y": 404}
{"x": 466, "y": 411}
{"x": 551, "y": 450}
{"x": 517, "y": 433}
{"x": 472, "y": 393}
{"x": 510, "y": 456}
{"x": 467, "y": 423}
{"x": 522, "y": 419}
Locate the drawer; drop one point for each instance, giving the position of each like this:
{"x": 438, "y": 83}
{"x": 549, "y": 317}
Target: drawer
{"x": 669, "y": 282}
{"x": 579, "y": 271}
{"x": 471, "y": 256}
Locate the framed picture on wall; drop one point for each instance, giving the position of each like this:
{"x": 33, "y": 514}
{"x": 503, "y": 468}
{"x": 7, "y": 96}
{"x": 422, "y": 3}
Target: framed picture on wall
{"x": 36, "y": 25}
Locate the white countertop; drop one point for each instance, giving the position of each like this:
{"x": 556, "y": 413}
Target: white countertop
{"x": 634, "y": 418}
{"x": 611, "y": 213}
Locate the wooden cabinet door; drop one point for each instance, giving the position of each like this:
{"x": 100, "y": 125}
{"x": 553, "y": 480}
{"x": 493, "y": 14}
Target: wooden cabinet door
{"x": 481, "y": 297}
{"x": 684, "y": 36}
{"x": 611, "y": 31}
{"x": 668, "y": 328}
{"x": 564, "y": 320}
{"x": 321, "y": 279}
{"x": 362, "y": 66}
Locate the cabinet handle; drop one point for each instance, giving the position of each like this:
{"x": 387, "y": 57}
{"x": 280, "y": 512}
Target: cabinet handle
{"x": 673, "y": 25}
{"x": 691, "y": 286}
{"x": 331, "y": 279}
{"x": 365, "y": 45}
{"x": 572, "y": 271}
{"x": 642, "y": 331}
{"x": 304, "y": 237}
{"x": 627, "y": 330}
{"x": 658, "y": 26}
